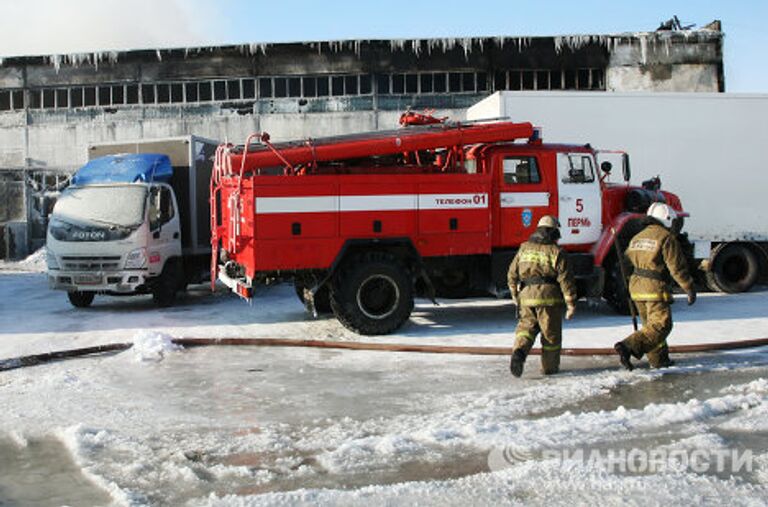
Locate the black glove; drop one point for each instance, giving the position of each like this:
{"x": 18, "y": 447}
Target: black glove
{"x": 691, "y": 297}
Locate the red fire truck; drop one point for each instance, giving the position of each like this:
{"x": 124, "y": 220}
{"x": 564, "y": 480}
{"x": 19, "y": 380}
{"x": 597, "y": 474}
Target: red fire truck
{"x": 364, "y": 223}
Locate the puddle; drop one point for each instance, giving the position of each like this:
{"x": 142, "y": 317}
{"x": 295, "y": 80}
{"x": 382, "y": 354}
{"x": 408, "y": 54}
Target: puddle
{"x": 43, "y": 474}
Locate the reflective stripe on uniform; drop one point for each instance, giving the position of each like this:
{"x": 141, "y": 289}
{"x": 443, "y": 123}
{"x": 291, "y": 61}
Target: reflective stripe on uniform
{"x": 550, "y": 348}
{"x": 526, "y": 335}
{"x": 538, "y": 258}
{"x": 541, "y": 301}
{"x": 650, "y": 296}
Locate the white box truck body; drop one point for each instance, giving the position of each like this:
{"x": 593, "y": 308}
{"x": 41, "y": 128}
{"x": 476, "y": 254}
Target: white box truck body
{"x": 708, "y": 147}
{"x": 135, "y": 220}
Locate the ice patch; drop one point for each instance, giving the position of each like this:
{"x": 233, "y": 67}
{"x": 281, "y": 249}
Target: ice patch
{"x": 152, "y": 346}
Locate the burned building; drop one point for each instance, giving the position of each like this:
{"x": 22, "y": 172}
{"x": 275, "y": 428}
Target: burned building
{"x": 52, "y": 107}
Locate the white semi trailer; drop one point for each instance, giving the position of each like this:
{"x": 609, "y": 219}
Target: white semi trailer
{"x": 711, "y": 148}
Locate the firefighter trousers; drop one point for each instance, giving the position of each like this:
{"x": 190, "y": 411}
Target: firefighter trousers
{"x": 547, "y": 320}
{"x": 651, "y": 339}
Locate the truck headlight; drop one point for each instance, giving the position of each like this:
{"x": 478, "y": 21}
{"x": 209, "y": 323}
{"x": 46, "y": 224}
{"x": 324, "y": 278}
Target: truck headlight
{"x": 50, "y": 260}
{"x": 136, "y": 259}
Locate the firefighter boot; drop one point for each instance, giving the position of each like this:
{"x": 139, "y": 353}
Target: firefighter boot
{"x": 660, "y": 358}
{"x": 624, "y": 355}
{"x": 517, "y": 362}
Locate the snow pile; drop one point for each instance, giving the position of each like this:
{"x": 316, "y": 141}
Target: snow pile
{"x": 34, "y": 263}
{"x": 152, "y": 346}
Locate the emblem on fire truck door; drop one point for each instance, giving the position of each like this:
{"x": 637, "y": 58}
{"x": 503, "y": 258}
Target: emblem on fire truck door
{"x": 527, "y": 216}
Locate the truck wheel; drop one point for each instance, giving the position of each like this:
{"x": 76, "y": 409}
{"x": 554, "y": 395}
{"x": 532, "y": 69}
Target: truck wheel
{"x": 80, "y": 299}
{"x": 735, "y": 268}
{"x": 164, "y": 289}
{"x": 372, "y": 295}
{"x": 453, "y": 284}
{"x": 322, "y": 297}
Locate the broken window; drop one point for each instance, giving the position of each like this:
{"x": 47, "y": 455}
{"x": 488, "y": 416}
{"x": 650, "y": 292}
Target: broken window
{"x": 427, "y": 81}
{"x": 598, "y": 79}
{"x": 398, "y": 83}
{"x": 233, "y": 89}
{"x": 411, "y": 83}
{"x": 118, "y": 95}
{"x": 310, "y": 86}
{"x": 350, "y": 85}
{"x": 454, "y": 82}
{"x": 500, "y": 81}
{"x": 105, "y": 95}
{"x": 584, "y": 81}
{"x": 62, "y": 98}
{"x": 281, "y": 87}
{"x": 190, "y": 91}
{"x": 249, "y": 88}
{"x": 5, "y": 100}
{"x": 515, "y": 80}
{"x": 219, "y": 90}
{"x": 382, "y": 84}
{"x": 177, "y": 93}
{"x": 528, "y": 80}
{"x": 17, "y": 99}
{"x": 147, "y": 94}
{"x": 365, "y": 84}
{"x": 439, "y": 82}
{"x": 294, "y": 87}
{"x": 468, "y": 81}
{"x": 163, "y": 93}
{"x": 323, "y": 89}
{"x": 542, "y": 80}
{"x": 89, "y": 96}
{"x": 337, "y": 85}
{"x": 555, "y": 80}
{"x": 570, "y": 79}
{"x": 132, "y": 94}
{"x": 482, "y": 82}
{"x": 205, "y": 92}
{"x": 265, "y": 87}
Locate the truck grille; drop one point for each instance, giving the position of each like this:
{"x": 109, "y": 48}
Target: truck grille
{"x": 111, "y": 263}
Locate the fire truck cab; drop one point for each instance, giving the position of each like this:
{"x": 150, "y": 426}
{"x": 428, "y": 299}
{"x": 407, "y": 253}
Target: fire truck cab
{"x": 364, "y": 223}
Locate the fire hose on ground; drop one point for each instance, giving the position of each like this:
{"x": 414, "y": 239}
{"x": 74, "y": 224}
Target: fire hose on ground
{"x": 49, "y": 357}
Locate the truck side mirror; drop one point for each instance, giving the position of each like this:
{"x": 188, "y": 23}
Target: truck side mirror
{"x": 625, "y": 170}
{"x": 606, "y": 167}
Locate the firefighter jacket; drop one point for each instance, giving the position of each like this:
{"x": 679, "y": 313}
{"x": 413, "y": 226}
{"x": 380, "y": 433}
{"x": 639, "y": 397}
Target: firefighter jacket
{"x": 539, "y": 274}
{"x": 656, "y": 258}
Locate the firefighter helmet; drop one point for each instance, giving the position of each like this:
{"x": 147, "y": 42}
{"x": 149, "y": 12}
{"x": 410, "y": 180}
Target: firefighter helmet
{"x": 663, "y": 213}
{"x": 548, "y": 221}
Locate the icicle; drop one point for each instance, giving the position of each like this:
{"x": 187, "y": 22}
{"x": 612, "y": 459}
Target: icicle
{"x": 159, "y": 56}
{"x": 416, "y": 47}
{"x": 55, "y": 60}
{"x": 643, "y": 47}
{"x": 500, "y": 41}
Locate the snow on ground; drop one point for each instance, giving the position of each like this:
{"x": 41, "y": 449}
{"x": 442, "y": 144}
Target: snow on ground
{"x": 162, "y": 425}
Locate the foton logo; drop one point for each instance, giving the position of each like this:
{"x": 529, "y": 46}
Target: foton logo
{"x": 89, "y": 235}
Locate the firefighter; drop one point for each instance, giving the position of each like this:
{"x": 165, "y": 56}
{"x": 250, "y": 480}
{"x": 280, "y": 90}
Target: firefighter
{"x": 542, "y": 286}
{"x": 656, "y": 257}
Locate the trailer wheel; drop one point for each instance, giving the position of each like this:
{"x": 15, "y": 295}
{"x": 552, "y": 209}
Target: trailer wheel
{"x": 322, "y": 297}
{"x": 80, "y": 299}
{"x": 735, "y": 268}
{"x": 372, "y": 294}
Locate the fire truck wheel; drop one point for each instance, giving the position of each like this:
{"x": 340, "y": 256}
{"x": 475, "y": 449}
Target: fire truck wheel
{"x": 372, "y": 295}
{"x": 454, "y": 284}
{"x": 735, "y": 268}
{"x": 80, "y": 299}
{"x": 322, "y": 297}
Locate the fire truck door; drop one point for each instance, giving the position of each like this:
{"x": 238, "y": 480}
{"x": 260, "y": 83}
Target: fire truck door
{"x": 579, "y": 203}
{"x": 523, "y": 198}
